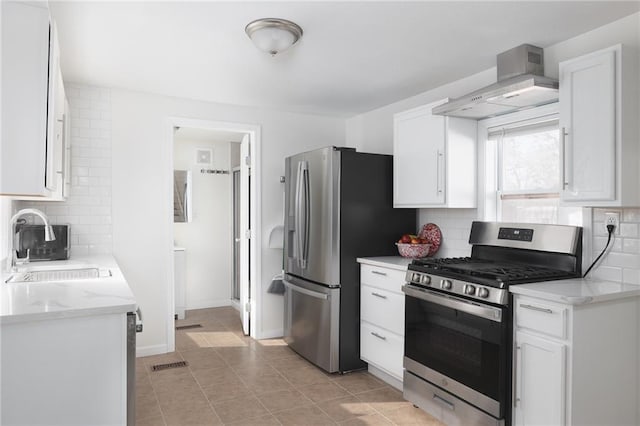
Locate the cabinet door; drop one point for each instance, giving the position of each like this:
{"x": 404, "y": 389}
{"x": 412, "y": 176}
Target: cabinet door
{"x": 539, "y": 392}
{"x": 418, "y": 158}
{"x": 25, "y": 59}
{"x": 382, "y": 348}
{"x": 588, "y": 125}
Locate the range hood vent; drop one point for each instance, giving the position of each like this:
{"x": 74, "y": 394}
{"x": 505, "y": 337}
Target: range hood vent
{"x": 521, "y": 85}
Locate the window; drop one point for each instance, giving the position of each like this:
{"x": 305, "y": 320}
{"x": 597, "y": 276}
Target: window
{"x": 522, "y": 168}
{"x": 528, "y": 171}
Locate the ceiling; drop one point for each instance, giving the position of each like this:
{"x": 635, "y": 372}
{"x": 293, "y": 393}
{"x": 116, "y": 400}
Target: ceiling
{"x": 352, "y": 58}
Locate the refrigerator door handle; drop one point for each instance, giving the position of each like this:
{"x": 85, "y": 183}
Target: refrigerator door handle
{"x": 307, "y": 213}
{"x": 298, "y": 214}
{"x": 311, "y": 293}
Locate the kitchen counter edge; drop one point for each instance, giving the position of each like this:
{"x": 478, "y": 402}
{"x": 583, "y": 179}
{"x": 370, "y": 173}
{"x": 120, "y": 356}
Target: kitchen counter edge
{"x": 578, "y": 291}
{"x": 398, "y": 263}
{"x": 23, "y": 302}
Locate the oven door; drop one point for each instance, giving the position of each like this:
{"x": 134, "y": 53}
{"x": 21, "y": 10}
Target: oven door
{"x": 458, "y": 345}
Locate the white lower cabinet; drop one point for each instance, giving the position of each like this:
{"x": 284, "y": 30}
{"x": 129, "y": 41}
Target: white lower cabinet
{"x": 382, "y": 321}
{"x": 539, "y": 390}
{"x": 575, "y": 364}
{"x": 382, "y": 348}
{"x": 65, "y": 371}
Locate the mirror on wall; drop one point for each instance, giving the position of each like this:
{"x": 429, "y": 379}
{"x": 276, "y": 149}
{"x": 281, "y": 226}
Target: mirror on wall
{"x": 182, "y": 196}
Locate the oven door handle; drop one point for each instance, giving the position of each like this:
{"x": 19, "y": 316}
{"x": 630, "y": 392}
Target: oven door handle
{"x": 483, "y": 311}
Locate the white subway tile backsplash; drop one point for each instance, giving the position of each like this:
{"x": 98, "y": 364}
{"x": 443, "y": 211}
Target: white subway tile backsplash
{"x": 631, "y": 215}
{"x": 607, "y": 273}
{"x": 631, "y": 245}
{"x": 88, "y": 207}
{"x": 622, "y": 262}
{"x": 629, "y": 230}
{"x": 631, "y": 276}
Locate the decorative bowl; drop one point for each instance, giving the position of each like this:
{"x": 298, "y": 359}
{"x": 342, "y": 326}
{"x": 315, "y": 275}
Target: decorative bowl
{"x": 413, "y": 250}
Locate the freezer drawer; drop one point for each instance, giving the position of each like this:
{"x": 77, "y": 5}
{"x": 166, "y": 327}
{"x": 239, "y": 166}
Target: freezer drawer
{"x": 311, "y": 326}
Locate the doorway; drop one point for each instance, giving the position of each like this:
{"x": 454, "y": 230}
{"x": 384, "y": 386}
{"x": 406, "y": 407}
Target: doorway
{"x": 216, "y": 249}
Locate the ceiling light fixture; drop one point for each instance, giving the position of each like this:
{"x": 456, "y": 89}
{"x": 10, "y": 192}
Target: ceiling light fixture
{"x": 273, "y": 35}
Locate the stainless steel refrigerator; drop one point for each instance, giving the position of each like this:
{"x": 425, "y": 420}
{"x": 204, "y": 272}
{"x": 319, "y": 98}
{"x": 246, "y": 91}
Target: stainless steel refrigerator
{"x": 339, "y": 206}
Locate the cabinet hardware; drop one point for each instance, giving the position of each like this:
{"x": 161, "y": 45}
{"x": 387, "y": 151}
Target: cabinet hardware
{"x": 381, "y": 296}
{"x": 537, "y": 308}
{"x": 517, "y": 363}
{"x": 373, "y": 333}
{"x": 438, "y": 172}
{"x": 565, "y": 182}
{"x": 384, "y": 274}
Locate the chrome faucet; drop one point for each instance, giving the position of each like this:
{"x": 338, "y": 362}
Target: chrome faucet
{"x": 12, "y": 258}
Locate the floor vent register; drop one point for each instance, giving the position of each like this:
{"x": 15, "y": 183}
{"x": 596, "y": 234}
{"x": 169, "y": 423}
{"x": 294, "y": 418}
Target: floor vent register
{"x": 178, "y": 364}
{"x": 186, "y": 327}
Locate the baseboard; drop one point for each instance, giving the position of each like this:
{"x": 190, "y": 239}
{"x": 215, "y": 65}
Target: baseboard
{"x": 213, "y": 303}
{"x": 151, "y": 350}
{"x": 385, "y": 377}
{"x": 270, "y": 334}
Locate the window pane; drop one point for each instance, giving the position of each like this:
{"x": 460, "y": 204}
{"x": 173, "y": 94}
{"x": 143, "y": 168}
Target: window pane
{"x": 531, "y": 161}
{"x": 536, "y": 210}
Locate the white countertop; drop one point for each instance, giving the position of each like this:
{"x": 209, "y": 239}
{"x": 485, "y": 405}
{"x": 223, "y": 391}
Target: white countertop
{"x": 45, "y": 300}
{"x": 577, "y": 291}
{"x": 392, "y": 262}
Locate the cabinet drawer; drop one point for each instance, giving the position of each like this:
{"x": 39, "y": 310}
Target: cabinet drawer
{"x": 381, "y": 348}
{"x": 542, "y": 316}
{"x": 382, "y": 308}
{"x": 388, "y": 279}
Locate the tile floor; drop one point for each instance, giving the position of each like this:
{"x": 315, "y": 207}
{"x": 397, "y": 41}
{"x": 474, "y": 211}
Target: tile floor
{"x": 236, "y": 380}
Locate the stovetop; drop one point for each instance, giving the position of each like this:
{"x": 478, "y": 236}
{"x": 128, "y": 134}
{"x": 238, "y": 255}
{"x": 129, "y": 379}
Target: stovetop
{"x": 499, "y": 274}
{"x": 502, "y": 254}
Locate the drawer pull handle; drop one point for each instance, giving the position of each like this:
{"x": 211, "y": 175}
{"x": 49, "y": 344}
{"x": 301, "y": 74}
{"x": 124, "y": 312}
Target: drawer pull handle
{"x": 537, "y": 308}
{"x": 373, "y": 333}
{"x": 384, "y": 274}
{"x": 381, "y": 296}
{"x": 444, "y": 402}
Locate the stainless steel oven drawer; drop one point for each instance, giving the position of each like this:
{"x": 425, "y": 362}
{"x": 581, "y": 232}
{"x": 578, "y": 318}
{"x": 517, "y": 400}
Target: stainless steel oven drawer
{"x": 444, "y": 406}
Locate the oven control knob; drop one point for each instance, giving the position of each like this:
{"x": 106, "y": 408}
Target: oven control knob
{"x": 415, "y": 277}
{"x": 469, "y": 289}
{"x": 483, "y": 292}
{"x": 445, "y": 284}
{"x": 425, "y": 279}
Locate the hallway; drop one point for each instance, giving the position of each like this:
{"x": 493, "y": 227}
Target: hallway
{"x": 233, "y": 379}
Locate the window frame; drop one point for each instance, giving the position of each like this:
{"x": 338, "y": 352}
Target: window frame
{"x": 488, "y": 156}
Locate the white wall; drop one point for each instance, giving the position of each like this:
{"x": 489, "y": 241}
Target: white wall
{"x": 141, "y": 177}
{"x": 373, "y": 132}
{"x": 88, "y": 207}
{"x": 208, "y": 237}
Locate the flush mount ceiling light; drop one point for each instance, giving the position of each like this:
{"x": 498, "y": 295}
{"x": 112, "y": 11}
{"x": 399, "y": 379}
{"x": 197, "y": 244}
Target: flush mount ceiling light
{"x": 273, "y": 35}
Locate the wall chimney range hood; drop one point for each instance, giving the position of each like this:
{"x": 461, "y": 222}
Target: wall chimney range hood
{"x": 521, "y": 85}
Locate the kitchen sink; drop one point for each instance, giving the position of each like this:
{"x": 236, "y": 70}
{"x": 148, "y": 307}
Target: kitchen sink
{"x": 58, "y": 273}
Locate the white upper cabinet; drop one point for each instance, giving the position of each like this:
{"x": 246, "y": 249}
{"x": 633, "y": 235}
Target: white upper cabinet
{"x": 598, "y": 121}
{"x": 434, "y": 159}
{"x": 32, "y": 145}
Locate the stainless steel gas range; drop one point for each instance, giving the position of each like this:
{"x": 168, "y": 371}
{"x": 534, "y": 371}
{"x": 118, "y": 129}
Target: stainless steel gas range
{"x": 458, "y": 317}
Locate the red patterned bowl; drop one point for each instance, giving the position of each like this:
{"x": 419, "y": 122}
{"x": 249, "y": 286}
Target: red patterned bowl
{"x": 413, "y": 250}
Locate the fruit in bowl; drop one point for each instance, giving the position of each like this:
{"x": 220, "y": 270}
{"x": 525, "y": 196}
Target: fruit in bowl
{"x": 413, "y": 246}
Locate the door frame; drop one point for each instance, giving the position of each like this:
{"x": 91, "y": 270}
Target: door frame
{"x": 255, "y": 264}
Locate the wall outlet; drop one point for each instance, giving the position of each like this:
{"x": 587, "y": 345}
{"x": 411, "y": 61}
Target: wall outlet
{"x": 613, "y": 218}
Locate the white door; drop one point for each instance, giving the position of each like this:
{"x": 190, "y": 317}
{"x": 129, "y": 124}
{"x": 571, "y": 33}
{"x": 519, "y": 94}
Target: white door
{"x": 245, "y": 234}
